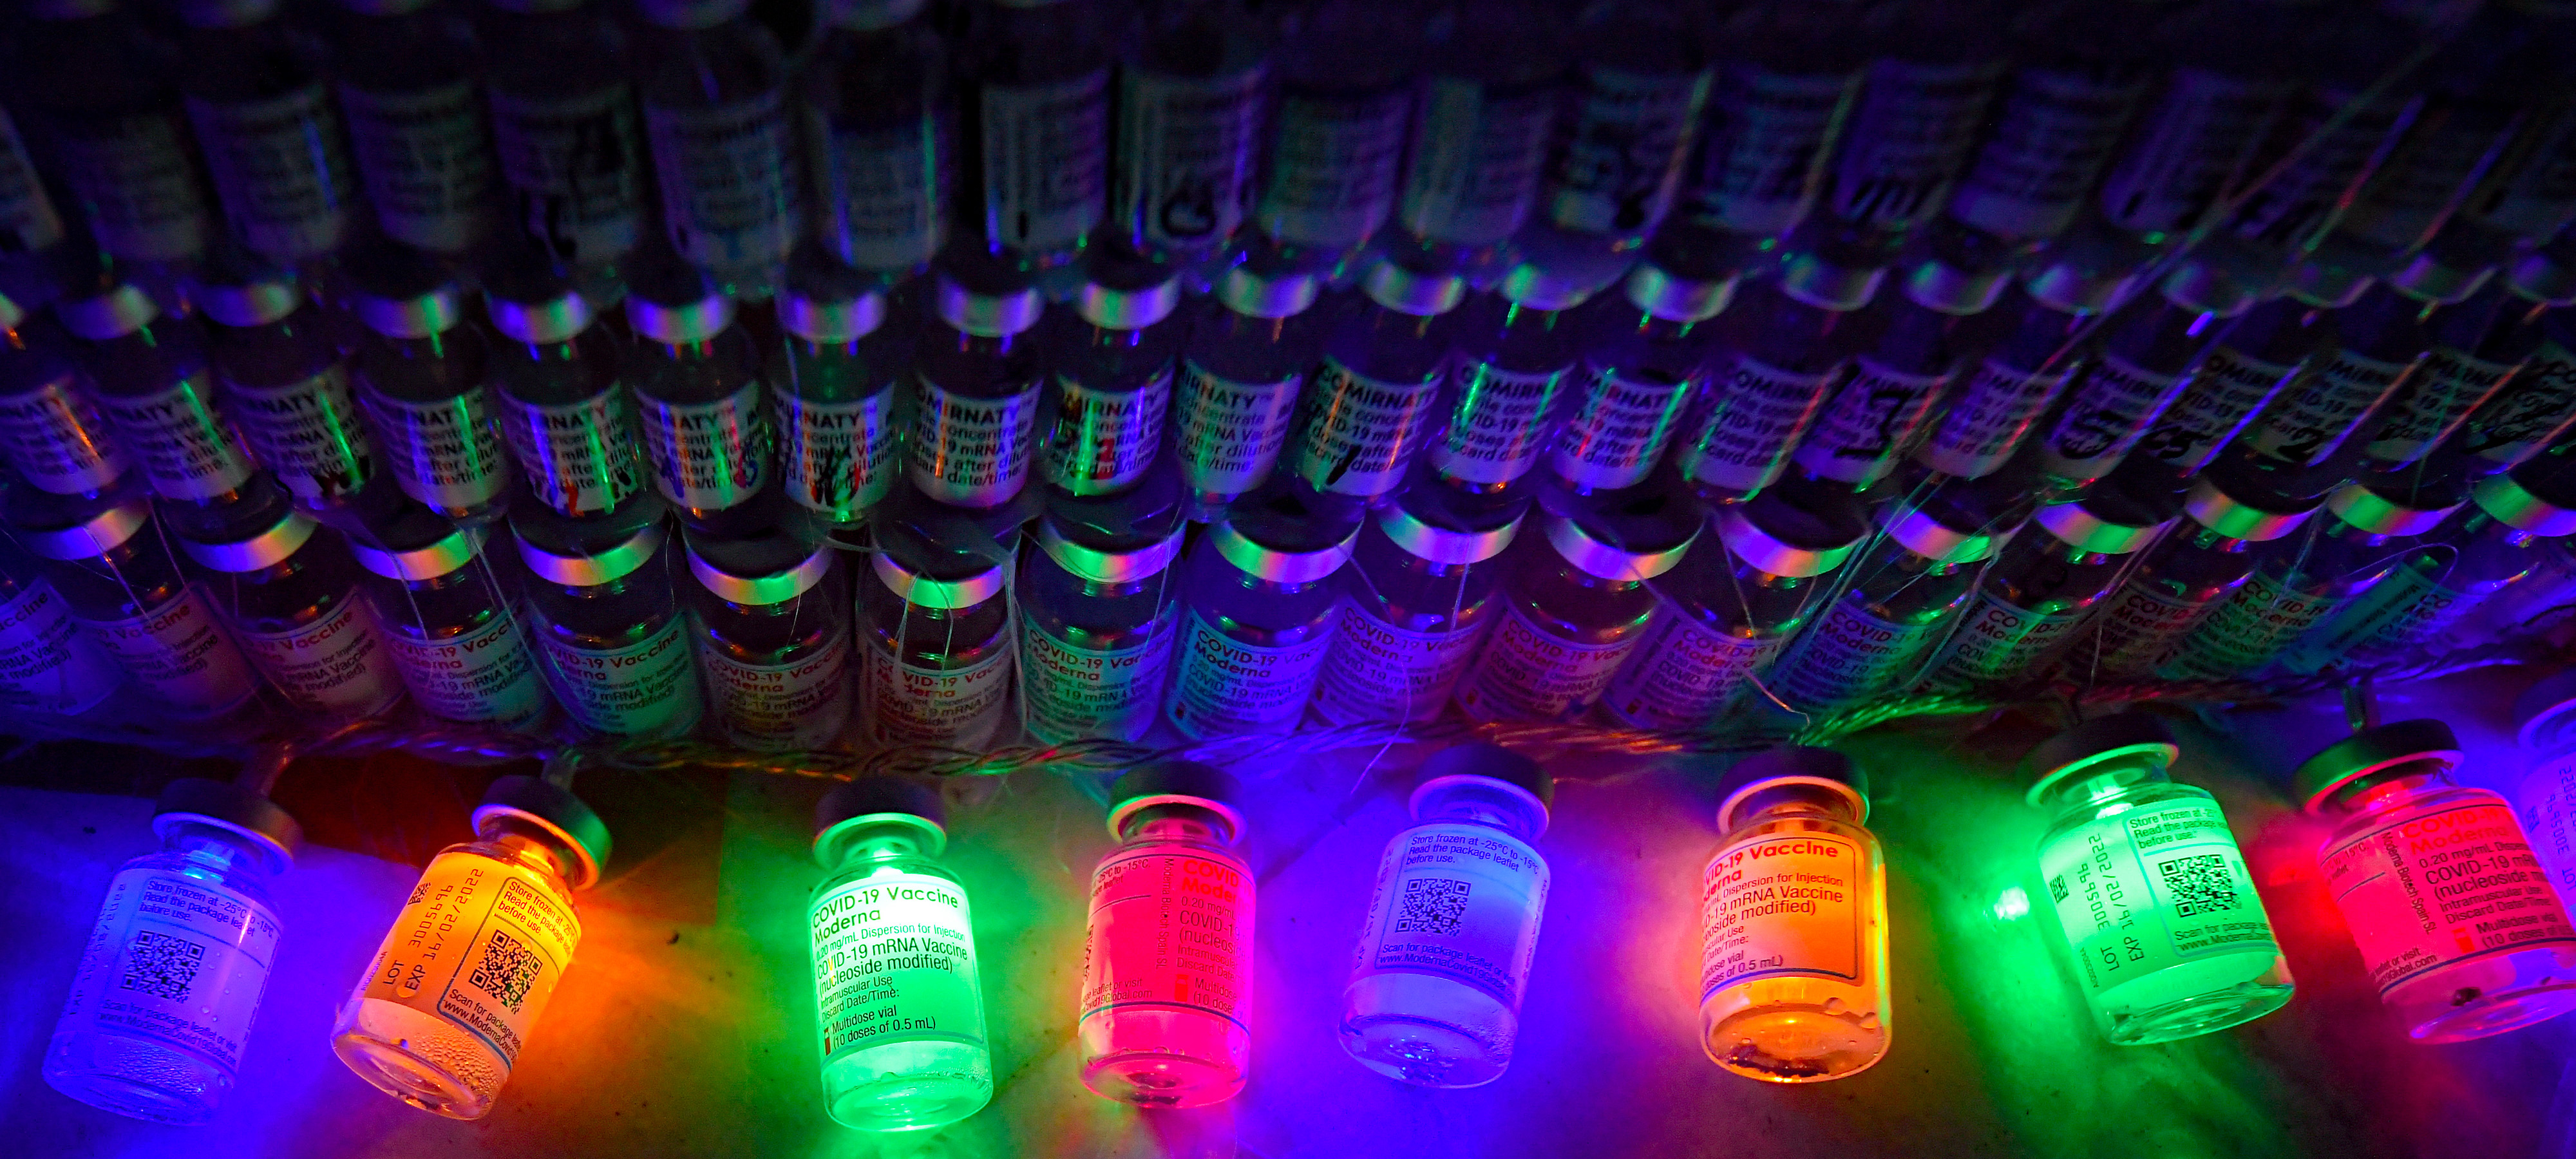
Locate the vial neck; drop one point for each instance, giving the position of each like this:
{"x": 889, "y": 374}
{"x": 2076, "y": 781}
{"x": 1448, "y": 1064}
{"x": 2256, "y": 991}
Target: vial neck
{"x": 878, "y": 845}
{"x": 1175, "y": 823}
{"x": 1492, "y": 806}
{"x": 535, "y": 849}
{"x": 214, "y": 849}
{"x": 1795, "y": 803}
{"x": 2388, "y": 790}
{"x": 2105, "y": 781}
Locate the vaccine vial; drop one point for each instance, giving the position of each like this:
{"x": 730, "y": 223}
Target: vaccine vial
{"x": 565, "y": 132}
{"x": 2456, "y": 919}
{"x": 1997, "y": 401}
{"x": 1486, "y": 118}
{"x": 1260, "y": 611}
{"x": 148, "y": 373}
{"x": 2231, "y": 512}
{"x": 1036, "y": 76}
{"x": 897, "y": 998}
{"x": 171, "y": 978}
{"x": 1516, "y": 366}
{"x": 698, "y": 401}
{"x": 1188, "y": 134}
{"x": 2366, "y": 352}
{"x": 835, "y": 373}
{"x": 291, "y": 597}
{"x": 1099, "y": 610}
{"x": 1101, "y": 417}
{"x": 1374, "y": 401}
{"x": 977, "y": 379}
{"x": 1642, "y": 75}
{"x": 109, "y": 562}
{"x": 562, "y": 407}
{"x": 1762, "y": 393}
{"x": 2544, "y": 794}
{"x": 30, "y": 227}
{"x": 2533, "y": 410}
{"x": 1444, "y": 954}
{"x": 1893, "y": 395}
{"x": 2478, "y": 345}
{"x": 1417, "y": 602}
{"x": 771, "y": 619}
{"x": 714, "y": 88}
{"x": 1902, "y": 598}
{"x": 2355, "y": 121}
{"x": 2125, "y": 391}
{"x": 423, "y": 380}
{"x": 1786, "y": 82}
{"x": 1639, "y": 380}
{"x": 2162, "y": 923}
{"x": 452, "y": 626}
{"x": 610, "y": 634}
{"x": 880, "y": 132}
{"x": 438, "y": 1021}
{"x": 2493, "y": 542}
{"x": 99, "y": 88}
{"x": 2258, "y": 358}
{"x": 407, "y": 75}
{"x": 268, "y": 129}
{"x": 52, "y": 435}
{"x": 286, "y": 385}
{"x": 1342, "y": 102}
{"x": 1576, "y": 604}
{"x": 2043, "y": 585}
{"x": 1162, "y": 1017}
{"x": 1250, "y": 343}
{"x": 938, "y": 630}
{"x": 47, "y": 664}
{"x": 1790, "y": 992}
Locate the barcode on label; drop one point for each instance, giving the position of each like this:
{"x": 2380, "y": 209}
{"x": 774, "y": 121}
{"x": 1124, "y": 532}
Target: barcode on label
{"x": 165, "y": 965}
{"x": 2199, "y": 884}
{"x": 1432, "y": 905}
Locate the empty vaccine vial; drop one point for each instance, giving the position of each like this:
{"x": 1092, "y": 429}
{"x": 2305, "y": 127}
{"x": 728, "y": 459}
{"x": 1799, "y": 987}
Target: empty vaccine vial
{"x": 291, "y": 597}
{"x": 938, "y": 632}
{"x": 1997, "y": 401}
{"x": 2492, "y": 543}
{"x": 1762, "y": 393}
{"x": 1260, "y": 611}
{"x": 974, "y": 419}
{"x": 1099, "y": 609}
{"x": 880, "y": 129}
{"x": 51, "y": 433}
{"x": 562, "y": 409}
{"x": 2123, "y": 394}
{"x": 2360, "y": 354}
{"x": 1373, "y": 402}
{"x": 1187, "y": 136}
{"x": 268, "y": 129}
{"x": 1101, "y": 418}
{"x": 1417, "y": 602}
{"x": 1438, "y": 1004}
{"x": 1517, "y": 361}
{"x": 2043, "y": 585}
{"x": 2456, "y": 919}
{"x": 47, "y": 664}
{"x": 406, "y": 78}
{"x": 113, "y": 568}
{"x": 1904, "y": 594}
{"x": 1793, "y": 922}
{"x": 422, "y": 380}
{"x": 1480, "y": 140}
{"x": 149, "y": 375}
{"x": 468, "y": 966}
{"x": 1575, "y": 605}
{"x": 2544, "y": 798}
{"x": 2166, "y": 934}
{"x": 101, "y": 85}
{"x": 171, "y": 978}
{"x": 896, "y": 995}
{"x": 1892, "y": 396}
{"x": 1343, "y": 101}
{"x": 1235, "y": 391}
{"x": 286, "y": 385}
{"x": 771, "y": 617}
{"x": 2231, "y": 511}
{"x": 698, "y": 400}
{"x": 1642, "y": 74}
{"x": 566, "y": 133}
{"x": 835, "y": 374}
{"x": 713, "y": 82}
{"x": 1167, "y": 960}
{"x": 1036, "y": 156}
{"x": 610, "y": 633}
{"x": 453, "y": 628}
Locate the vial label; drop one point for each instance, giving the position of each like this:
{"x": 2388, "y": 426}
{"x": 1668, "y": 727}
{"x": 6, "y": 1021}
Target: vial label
{"x": 1168, "y": 928}
{"x": 1358, "y": 433}
{"x": 179, "y": 654}
{"x": 132, "y": 177}
{"x": 2222, "y": 395}
{"x": 1869, "y": 422}
{"x": 1908, "y": 139}
{"x": 1998, "y": 642}
{"x": 2432, "y": 404}
{"x": 1849, "y": 656}
{"x": 1226, "y": 686}
{"x": 707, "y": 456}
{"x": 972, "y": 452}
{"x": 1768, "y": 137}
{"x": 1046, "y": 168}
{"x": 2248, "y": 630}
{"x": 648, "y": 691}
{"x": 185, "y": 450}
{"x": 1333, "y": 162}
{"x": 799, "y": 705}
{"x": 479, "y": 945}
{"x": 484, "y": 674}
{"x": 1104, "y": 440}
{"x": 2296, "y": 208}
{"x": 1995, "y": 408}
{"x": 2548, "y": 814}
{"x": 2135, "y": 630}
{"x": 882, "y": 188}
{"x": 2399, "y": 614}
{"x": 1620, "y": 427}
{"x": 1498, "y": 425}
{"x": 837, "y": 457}
{"x": 2442, "y": 887}
{"x": 280, "y": 171}
{"x": 425, "y": 161}
{"x": 1622, "y": 158}
{"x": 2528, "y": 413}
{"x": 443, "y": 453}
{"x": 2414, "y": 192}
{"x": 579, "y": 457}
{"x": 1528, "y": 674}
{"x": 894, "y": 961}
{"x": 1476, "y": 159}
{"x": 53, "y": 437}
{"x": 177, "y": 960}
{"x": 1229, "y": 434}
{"x": 2150, "y": 888}
{"x": 334, "y": 665}
{"x": 2106, "y": 414}
{"x": 2317, "y": 411}
{"x": 575, "y": 170}
{"x": 2055, "y": 133}
{"x": 1456, "y": 901}
{"x": 959, "y": 707}
{"x": 729, "y": 196}
{"x": 1069, "y": 692}
{"x": 27, "y": 219}
{"x": 307, "y": 433}
{"x": 46, "y": 664}
{"x": 1380, "y": 672}
{"x": 1683, "y": 674}
{"x": 1185, "y": 152}
{"x": 1756, "y": 413}
{"x": 1782, "y": 905}
{"x": 2188, "y": 150}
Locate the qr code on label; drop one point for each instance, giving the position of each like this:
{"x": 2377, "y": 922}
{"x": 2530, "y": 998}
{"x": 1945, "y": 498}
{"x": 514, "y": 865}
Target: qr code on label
{"x": 2199, "y": 885}
{"x": 162, "y": 966}
{"x": 507, "y": 970}
{"x": 1432, "y": 905}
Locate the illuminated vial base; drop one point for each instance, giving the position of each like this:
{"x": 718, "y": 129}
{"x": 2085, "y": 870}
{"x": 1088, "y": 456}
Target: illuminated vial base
{"x": 909, "y": 1086}
{"x": 137, "y": 1076}
{"x": 1426, "y": 1030}
{"x": 2193, "y": 998}
{"x": 1163, "y": 1056}
{"x": 1793, "y": 1030}
{"x": 421, "y": 1059}
{"x": 2490, "y": 995}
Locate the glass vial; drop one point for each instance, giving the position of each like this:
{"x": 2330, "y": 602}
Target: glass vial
{"x": 564, "y": 126}
{"x": 563, "y": 411}
{"x": 124, "y": 587}
{"x": 1444, "y": 957}
{"x": 148, "y": 373}
{"x": 1417, "y": 602}
{"x": 173, "y": 973}
{"x": 974, "y": 419}
{"x": 422, "y": 379}
{"x": 2233, "y": 509}
{"x": 1904, "y": 594}
{"x": 2483, "y": 548}
{"x": 1101, "y": 417}
{"x": 286, "y": 384}
{"x": 47, "y": 664}
{"x": 1516, "y": 365}
{"x": 1762, "y": 392}
{"x": 1793, "y": 922}
{"x": 450, "y": 623}
{"x": 408, "y": 77}
{"x": 99, "y": 89}
{"x": 291, "y": 597}
{"x": 896, "y": 995}
{"x": 2166, "y": 934}
{"x": 1188, "y": 133}
{"x": 713, "y": 82}
{"x": 880, "y": 135}
{"x": 1250, "y": 344}
{"x": 610, "y": 634}
{"x": 771, "y": 616}
{"x": 1162, "y": 1021}
{"x": 1575, "y": 605}
{"x": 836, "y": 372}
{"x": 269, "y": 131}
{"x": 2545, "y": 796}
{"x": 1260, "y": 612}
{"x": 1036, "y": 76}
{"x": 52, "y": 435}
{"x": 1099, "y": 608}
{"x": 1374, "y": 402}
{"x": 697, "y": 395}
{"x": 938, "y": 629}
{"x": 2042, "y": 586}
{"x": 438, "y": 1024}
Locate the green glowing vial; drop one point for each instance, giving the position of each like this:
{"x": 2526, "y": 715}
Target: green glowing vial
{"x": 2168, "y": 937}
{"x": 895, "y": 992}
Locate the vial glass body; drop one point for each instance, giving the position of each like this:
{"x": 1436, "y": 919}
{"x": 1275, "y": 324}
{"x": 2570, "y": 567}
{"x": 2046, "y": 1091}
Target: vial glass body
{"x": 459, "y": 647}
{"x": 896, "y": 995}
{"x": 569, "y": 422}
{"x": 617, "y": 654}
{"x": 1093, "y": 654}
{"x": 432, "y": 408}
{"x": 778, "y": 674}
{"x": 936, "y": 675}
{"x": 1251, "y": 649}
{"x": 133, "y": 602}
{"x": 705, "y": 430}
{"x": 1164, "y": 1028}
{"x": 1409, "y": 628}
{"x": 1562, "y": 635}
{"x": 1789, "y": 996}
